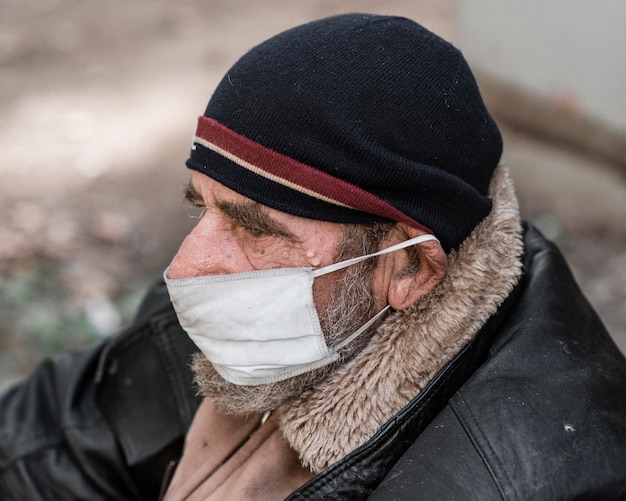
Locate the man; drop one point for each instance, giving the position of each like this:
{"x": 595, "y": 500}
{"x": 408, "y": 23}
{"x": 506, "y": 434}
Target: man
{"x": 369, "y": 317}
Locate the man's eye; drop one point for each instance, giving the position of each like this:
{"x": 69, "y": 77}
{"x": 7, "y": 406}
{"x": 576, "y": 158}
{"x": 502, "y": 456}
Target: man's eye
{"x": 256, "y": 232}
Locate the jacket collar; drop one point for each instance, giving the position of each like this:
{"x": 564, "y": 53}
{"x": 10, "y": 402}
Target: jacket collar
{"x": 411, "y": 347}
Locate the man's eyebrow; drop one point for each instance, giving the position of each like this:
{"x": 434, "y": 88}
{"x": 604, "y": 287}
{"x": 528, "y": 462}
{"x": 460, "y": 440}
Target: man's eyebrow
{"x": 251, "y": 215}
{"x": 192, "y": 195}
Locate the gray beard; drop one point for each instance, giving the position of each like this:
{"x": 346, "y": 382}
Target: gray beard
{"x": 349, "y": 307}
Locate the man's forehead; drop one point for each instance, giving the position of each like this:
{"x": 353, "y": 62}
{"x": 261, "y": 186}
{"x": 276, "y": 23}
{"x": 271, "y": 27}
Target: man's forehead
{"x": 212, "y": 192}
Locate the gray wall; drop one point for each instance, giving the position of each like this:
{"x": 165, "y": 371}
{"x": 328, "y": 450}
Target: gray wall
{"x": 569, "y": 51}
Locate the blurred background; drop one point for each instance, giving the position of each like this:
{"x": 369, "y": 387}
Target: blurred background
{"x": 98, "y": 103}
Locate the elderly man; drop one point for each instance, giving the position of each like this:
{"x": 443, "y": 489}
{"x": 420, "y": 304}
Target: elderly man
{"x": 369, "y": 317}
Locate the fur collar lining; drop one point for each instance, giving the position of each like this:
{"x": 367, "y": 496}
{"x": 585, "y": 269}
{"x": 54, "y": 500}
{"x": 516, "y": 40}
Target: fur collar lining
{"x": 345, "y": 410}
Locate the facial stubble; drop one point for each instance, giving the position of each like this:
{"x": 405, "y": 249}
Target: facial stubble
{"x": 347, "y": 309}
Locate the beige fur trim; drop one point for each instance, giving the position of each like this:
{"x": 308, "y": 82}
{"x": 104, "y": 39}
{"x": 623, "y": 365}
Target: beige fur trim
{"x": 347, "y": 409}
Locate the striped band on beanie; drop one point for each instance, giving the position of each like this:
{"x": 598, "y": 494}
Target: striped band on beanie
{"x": 278, "y": 168}
{"x": 354, "y": 119}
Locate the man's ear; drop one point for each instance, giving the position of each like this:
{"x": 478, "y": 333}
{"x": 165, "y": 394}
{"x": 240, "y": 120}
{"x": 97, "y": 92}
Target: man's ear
{"x": 408, "y": 284}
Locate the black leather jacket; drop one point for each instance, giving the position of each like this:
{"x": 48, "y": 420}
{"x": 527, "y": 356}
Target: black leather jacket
{"x": 533, "y": 408}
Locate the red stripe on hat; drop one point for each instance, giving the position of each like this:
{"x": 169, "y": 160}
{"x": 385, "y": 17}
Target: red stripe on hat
{"x": 292, "y": 173}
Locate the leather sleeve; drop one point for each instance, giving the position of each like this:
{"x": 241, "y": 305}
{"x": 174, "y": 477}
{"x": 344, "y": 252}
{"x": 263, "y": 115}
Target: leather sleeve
{"x": 77, "y": 428}
{"x": 54, "y": 443}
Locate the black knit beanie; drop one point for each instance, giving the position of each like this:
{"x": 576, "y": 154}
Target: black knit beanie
{"x": 353, "y": 119}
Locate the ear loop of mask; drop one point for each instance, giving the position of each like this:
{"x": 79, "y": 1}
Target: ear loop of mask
{"x": 362, "y": 329}
{"x": 349, "y": 262}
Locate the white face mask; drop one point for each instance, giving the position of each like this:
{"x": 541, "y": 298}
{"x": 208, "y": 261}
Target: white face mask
{"x": 261, "y": 326}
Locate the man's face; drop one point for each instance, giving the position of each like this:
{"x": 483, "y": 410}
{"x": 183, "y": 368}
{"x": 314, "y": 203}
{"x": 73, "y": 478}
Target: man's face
{"x": 236, "y": 234}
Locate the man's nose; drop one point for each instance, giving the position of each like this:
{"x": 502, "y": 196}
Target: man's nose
{"x": 207, "y": 252}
